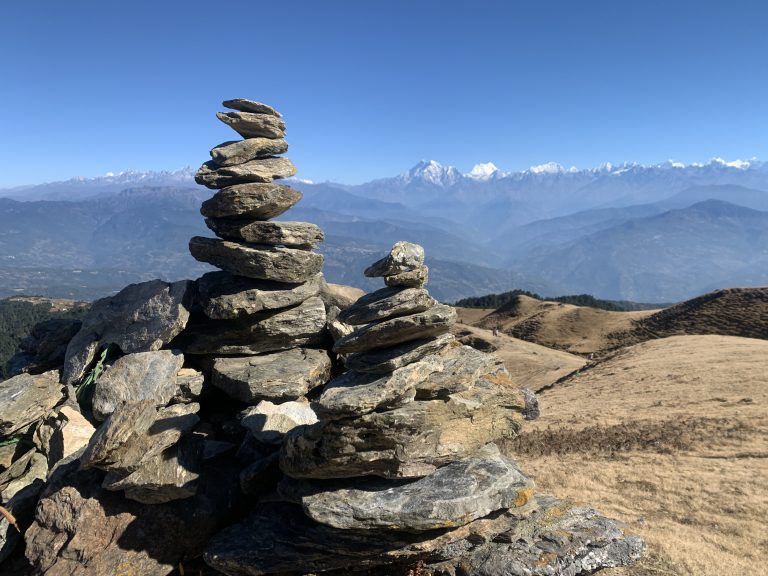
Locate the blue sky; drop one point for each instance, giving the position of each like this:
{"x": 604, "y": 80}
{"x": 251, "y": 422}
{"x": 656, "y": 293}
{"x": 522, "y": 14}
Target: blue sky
{"x": 368, "y": 87}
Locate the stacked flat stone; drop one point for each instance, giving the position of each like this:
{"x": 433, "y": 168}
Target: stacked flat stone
{"x": 262, "y": 314}
{"x": 402, "y": 464}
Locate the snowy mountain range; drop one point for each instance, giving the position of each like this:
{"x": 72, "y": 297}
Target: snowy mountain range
{"x": 658, "y": 232}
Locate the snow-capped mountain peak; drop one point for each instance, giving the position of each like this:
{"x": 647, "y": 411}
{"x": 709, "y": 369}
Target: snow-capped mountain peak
{"x": 433, "y": 172}
{"x": 547, "y": 168}
{"x": 483, "y": 171}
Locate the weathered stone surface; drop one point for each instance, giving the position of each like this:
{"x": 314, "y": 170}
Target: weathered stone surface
{"x": 245, "y": 105}
{"x": 257, "y": 201}
{"x": 433, "y": 322}
{"x": 25, "y": 399}
{"x": 387, "y": 303}
{"x": 402, "y": 257}
{"x": 44, "y": 348}
{"x": 253, "y": 125}
{"x": 279, "y": 376}
{"x": 140, "y": 376}
{"x": 189, "y": 386}
{"x": 416, "y": 278}
{"x": 407, "y": 442}
{"x": 461, "y": 368}
{"x": 136, "y": 433}
{"x": 355, "y": 393}
{"x": 62, "y": 433}
{"x": 291, "y": 234}
{"x": 225, "y": 296}
{"x": 270, "y": 422}
{"x": 279, "y": 538}
{"x": 172, "y": 475}
{"x": 19, "y": 488}
{"x": 139, "y": 318}
{"x": 531, "y": 411}
{"x": 302, "y": 325}
{"x": 452, "y": 496}
{"x": 241, "y": 151}
{"x": 339, "y": 295}
{"x": 261, "y": 262}
{"x": 260, "y": 170}
{"x": 336, "y": 328}
{"x": 386, "y": 360}
{"x": 80, "y": 529}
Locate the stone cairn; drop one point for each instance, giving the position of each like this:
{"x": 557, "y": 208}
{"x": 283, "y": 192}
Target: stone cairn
{"x": 267, "y": 422}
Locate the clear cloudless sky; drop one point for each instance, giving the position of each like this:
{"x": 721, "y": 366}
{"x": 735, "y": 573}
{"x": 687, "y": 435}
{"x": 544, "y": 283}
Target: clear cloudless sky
{"x": 369, "y": 87}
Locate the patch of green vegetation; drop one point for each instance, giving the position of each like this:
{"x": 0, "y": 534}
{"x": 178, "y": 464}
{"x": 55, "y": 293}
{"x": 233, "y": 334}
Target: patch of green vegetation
{"x": 18, "y": 317}
{"x": 498, "y": 300}
{"x": 84, "y": 390}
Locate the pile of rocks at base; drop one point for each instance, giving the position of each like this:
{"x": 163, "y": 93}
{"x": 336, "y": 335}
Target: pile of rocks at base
{"x": 269, "y": 422}
{"x": 402, "y": 466}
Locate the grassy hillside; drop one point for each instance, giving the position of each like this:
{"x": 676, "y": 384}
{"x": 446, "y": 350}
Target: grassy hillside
{"x": 499, "y": 300}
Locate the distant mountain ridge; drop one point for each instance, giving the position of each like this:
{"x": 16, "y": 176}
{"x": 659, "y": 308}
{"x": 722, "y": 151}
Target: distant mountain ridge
{"x": 620, "y": 232}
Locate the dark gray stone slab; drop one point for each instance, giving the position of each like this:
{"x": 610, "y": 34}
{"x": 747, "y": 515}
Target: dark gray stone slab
{"x": 24, "y": 399}
{"x": 260, "y": 170}
{"x": 278, "y": 376}
{"x": 291, "y": 234}
{"x": 256, "y": 261}
{"x": 241, "y": 151}
{"x": 386, "y": 360}
{"x": 253, "y": 125}
{"x": 255, "y": 200}
{"x": 387, "y": 303}
{"x": 433, "y": 322}
{"x": 245, "y": 105}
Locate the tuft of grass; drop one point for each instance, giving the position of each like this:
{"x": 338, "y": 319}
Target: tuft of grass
{"x": 84, "y": 390}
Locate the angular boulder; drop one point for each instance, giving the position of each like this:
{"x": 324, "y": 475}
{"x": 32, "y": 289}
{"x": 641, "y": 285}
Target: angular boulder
{"x": 269, "y": 423}
{"x": 387, "y": 303}
{"x": 140, "y": 318}
{"x": 253, "y": 124}
{"x": 402, "y": 257}
{"x": 24, "y": 399}
{"x": 139, "y": 376}
{"x": 386, "y": 360}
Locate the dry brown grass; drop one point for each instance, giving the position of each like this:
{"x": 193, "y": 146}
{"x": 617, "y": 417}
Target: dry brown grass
{"x": 671, "y": 436}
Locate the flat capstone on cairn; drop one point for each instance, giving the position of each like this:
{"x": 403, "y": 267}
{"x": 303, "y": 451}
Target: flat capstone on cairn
{"x": 402, "y": 466}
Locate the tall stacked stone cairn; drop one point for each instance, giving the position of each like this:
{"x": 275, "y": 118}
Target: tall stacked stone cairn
{"x": 267, "y": 422}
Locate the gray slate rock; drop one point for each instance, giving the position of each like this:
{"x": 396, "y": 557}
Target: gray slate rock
{"x": 387, "y": 303}
{"x": 302, "y": 325}
{"x": 433, "y": 322}
{"x": 135, "y": 433}
{"x": 532, "y": 411}
{"x": 452, "y": 496}
{"x": 189, "y": 386}
{"x": 224, "y": 296}
{"x": 24, "y": 399}
{"x": 280, "y": 538}
{"x": 402, "y": 257}
{"x": 416, "y": 278}
{"x": 172, "y": 475}
{"x": 261, "y": 262}
{"x": 241, "y": 151}
{"x": 278, "y": 376}
{"x": 260, "y": 170}
{"x": 257, "y": 201}
{"x": 269, "y": 423}
{"x": 20, "y": 486}
{"x": 339, "y": 295}
{"x": 80, "y": 529}
{"x": 140, "y": 318}
{"x": 386, "y": 360}
{"x": 245, "y": 105}
{"x": 140, "y": 376}
{"x": 291, "y": 234}
{"x": 253, "y": 125}
{"x": 354, "y": 393}
{"x": 407, "y": 442}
